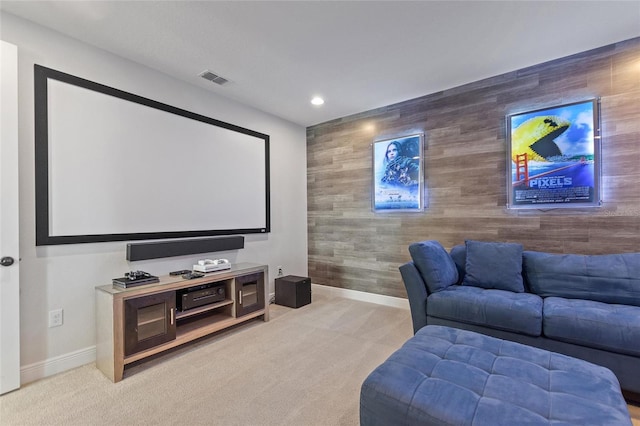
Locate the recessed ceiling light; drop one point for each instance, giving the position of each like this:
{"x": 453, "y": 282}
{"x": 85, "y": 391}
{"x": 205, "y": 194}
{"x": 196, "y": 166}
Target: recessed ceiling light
{"x": 317, "y": 100}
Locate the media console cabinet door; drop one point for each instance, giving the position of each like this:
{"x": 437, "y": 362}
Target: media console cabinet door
{"x": 149, "y": 321}
{"x": 250, "y": 295}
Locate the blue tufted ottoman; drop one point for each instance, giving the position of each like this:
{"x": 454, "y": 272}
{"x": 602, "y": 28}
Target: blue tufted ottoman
{"x": 446, "y": 376}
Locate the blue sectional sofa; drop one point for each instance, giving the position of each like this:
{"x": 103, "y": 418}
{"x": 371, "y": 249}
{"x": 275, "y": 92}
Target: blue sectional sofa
{"x": 583, "y": 306}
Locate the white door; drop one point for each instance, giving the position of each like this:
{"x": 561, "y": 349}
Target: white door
{"x": 9, "y": 268}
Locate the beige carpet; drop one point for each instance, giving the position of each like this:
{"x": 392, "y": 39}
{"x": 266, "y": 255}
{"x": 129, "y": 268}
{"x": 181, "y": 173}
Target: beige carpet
{"x": 304, "y": 367}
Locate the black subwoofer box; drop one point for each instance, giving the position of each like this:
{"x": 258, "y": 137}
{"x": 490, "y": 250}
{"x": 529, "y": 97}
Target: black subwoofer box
{"x": 293, "y": 291}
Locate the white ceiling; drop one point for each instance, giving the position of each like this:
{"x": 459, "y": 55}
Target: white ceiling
{"x": 358, "y": 55}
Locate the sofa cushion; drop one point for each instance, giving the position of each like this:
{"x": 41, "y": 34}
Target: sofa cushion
{"x": 503, "y": 310}
{"x": 434, "y": 264}
{"x": 494, "y": 265}
{"x": 614, "y": 328}
{"x": 610, "y": 278}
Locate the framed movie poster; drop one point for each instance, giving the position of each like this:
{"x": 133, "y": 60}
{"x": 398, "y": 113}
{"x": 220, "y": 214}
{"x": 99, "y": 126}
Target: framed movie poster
{"x": 554, "y": 157}
{"x": 397, "y": 174}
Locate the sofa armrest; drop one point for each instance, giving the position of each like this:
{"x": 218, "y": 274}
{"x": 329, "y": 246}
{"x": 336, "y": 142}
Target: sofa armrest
{"x": 417, "y": 294}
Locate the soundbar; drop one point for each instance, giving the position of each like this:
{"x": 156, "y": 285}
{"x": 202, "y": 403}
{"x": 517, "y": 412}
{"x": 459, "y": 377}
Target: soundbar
{"x": 156, "y": 250}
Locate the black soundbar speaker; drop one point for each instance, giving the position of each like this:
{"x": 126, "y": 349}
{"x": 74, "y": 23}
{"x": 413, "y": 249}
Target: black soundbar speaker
{"x": 155, "y": 250}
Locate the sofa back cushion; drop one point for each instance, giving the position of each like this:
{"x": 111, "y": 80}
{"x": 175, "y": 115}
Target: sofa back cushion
{"x": 609, "y": 278}
{"x": 513, "y": 261}
{"x": 494, "y": 265}
{"x": 434, "y": 264}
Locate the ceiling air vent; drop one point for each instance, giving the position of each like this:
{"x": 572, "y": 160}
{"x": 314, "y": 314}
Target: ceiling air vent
{"x": 208, "y": 75}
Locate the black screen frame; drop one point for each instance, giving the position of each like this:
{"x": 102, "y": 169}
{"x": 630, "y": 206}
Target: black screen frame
{"x": 42, "y": 75}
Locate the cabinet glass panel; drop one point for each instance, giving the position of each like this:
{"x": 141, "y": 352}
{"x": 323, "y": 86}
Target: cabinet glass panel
{"x": 152, "y": 321}
{"x": 250, "y": 294}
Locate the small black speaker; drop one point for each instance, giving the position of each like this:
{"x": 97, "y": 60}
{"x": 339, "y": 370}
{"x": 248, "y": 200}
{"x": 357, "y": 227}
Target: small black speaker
{"x": 293, "y": 291}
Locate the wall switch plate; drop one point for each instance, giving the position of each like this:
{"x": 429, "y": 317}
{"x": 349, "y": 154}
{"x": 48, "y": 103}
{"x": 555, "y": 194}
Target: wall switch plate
{"x": 55, "y": 318}
{"x": 280, "y": 271}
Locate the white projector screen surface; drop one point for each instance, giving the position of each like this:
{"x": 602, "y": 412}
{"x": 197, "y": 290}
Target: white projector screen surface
{"x": 121, "y": 167}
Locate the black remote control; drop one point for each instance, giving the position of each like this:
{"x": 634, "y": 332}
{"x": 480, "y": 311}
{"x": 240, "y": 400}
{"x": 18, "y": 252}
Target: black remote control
{"x": 192, "y": 275}
{"x": 180, "y": 272}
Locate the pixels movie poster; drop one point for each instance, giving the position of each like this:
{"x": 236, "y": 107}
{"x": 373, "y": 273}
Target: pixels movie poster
{"x": 554, "y": 157}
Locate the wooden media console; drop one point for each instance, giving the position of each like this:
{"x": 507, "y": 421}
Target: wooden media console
{"x": 135, "y": 323}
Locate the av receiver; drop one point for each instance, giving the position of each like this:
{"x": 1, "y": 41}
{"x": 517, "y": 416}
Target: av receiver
{"x": 201, "y": 295}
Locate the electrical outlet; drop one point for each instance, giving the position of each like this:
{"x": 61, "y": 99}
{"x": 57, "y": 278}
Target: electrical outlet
{"x": 55, "y": 318}
{"x": 280, "y": 273}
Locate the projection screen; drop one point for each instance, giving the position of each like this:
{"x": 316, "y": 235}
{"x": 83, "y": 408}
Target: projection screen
{"x": 114, "y": 166}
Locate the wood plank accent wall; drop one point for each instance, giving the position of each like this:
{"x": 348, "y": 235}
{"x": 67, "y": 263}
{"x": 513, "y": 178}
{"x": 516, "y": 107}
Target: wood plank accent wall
{"x": 465, "y": 172}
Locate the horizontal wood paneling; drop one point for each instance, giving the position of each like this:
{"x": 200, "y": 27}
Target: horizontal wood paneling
{"x": 465, "y": 172}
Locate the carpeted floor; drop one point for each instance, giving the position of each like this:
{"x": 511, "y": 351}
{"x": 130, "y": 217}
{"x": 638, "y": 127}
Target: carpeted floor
{"x": 304, "y": 367}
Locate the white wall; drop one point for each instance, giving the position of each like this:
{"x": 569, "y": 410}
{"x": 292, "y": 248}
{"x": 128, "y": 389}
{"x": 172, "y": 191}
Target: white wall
{"x": 64, "y": 277}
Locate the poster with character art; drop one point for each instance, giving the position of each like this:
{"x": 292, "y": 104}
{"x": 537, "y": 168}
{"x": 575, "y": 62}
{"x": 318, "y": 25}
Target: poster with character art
{"x": 397, "y": 174}
{"x": 554, "y": 157}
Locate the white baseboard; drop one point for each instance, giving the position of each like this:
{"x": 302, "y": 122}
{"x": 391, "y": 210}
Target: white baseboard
{"x": 59, "y": 364}
{"x": 380, "y": 299}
